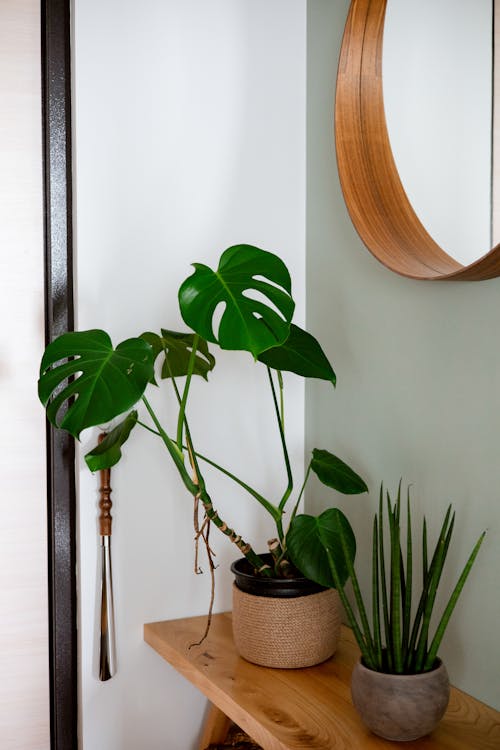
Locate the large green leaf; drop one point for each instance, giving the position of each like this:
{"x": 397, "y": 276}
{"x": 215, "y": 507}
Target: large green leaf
{"x": 336, "y": 474}
{"x": 177, "y": 348}
{"x": 246, "y": 323}
{"x": 302, "y": 354}
{"x": 308, "y": 540}
{"x": 103, "y": 382}
{"x": 108, "y": 452}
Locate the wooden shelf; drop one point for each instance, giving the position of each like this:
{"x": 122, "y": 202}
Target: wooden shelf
{"x": 300, "y": 709}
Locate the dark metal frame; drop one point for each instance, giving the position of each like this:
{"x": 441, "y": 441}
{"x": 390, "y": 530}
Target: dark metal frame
{"x": 59, "y": 318}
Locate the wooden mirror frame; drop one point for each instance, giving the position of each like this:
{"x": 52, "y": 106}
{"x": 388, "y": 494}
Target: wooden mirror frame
{"x": 373, "y": 192}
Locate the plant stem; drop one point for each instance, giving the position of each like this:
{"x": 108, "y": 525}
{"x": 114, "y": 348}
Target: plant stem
{"x": 296, "y": 506}
{"x": 282, "y": 399}
{"x": 285, "y": 454}
{"x": 185, "y": 393}
{"x": 198, "y": 489}
{"x": 172, "y": 448}
{"x": 211, "y": 513}
{"x": 146, "y": 427}
{"x": 244, "y": 547}
{"x": 272, "y": 509}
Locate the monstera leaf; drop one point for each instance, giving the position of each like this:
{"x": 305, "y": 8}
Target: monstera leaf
{"x": 108, "y": 452}
{"x": 334, "y": 473}
{"x": 302, "y": 354}
{"x": 311, "y": 538}
{"x": 103, "y": 381}
{"x": 177, "y": 348}
{"x": 246, "y": 322}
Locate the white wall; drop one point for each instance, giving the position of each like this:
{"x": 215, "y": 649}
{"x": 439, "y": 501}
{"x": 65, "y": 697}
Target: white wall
{"x": 24, "y": 662}
{"x": 418, "y": 367}
{"x": 190, "y": 137}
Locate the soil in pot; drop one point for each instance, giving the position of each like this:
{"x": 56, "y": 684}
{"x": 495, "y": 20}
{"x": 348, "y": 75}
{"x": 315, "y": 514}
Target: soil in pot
{"x": 400, "y": 707}
{"x": 284, "y": 623}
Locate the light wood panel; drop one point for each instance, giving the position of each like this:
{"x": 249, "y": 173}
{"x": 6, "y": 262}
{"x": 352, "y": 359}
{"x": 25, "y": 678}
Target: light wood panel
{"x": 24, "y": 658}
{"x": 301, "y": 708}
{"x": 374, "y": 195}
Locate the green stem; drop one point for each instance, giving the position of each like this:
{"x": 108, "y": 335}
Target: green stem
{"x": 200, "y": 491}
{"x": 172, "y": 448}
{"x": 245, "y": 548}
{"x": 146, "y": 427}
{"x": 285, "y": 451}
{"x": 185, "y": 393}
{"x": 296, "y": 506}
{"x": 272, "y": 509}
{"x": 282, "y": 399}
{"x": 197, "y": 489}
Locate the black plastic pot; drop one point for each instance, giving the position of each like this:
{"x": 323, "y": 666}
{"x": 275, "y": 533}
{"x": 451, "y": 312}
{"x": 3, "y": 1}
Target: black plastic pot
{"x": 282, "y": 588}
{"x": 287, "y": 623}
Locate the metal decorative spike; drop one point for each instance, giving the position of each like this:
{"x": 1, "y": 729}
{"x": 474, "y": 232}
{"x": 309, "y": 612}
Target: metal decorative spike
{"x": 107, "y": 646}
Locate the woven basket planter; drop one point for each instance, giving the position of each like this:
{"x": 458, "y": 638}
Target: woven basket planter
{"x": 297, "y": 627}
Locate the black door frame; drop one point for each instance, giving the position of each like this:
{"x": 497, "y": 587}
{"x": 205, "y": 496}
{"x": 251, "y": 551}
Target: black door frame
{"x": 59, "y": 318}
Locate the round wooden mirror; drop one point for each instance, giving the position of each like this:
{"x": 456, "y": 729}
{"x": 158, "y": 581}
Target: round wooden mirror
{"x": 378, "y": 205}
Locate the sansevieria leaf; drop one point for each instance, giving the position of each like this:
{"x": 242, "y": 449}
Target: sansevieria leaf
{"x": 108, "y": 452}
{"x": 82, "y": 371}
{"x": 254, "y": 289}
{"x": 302, "y": 354}
{"x": 307, "y": 542}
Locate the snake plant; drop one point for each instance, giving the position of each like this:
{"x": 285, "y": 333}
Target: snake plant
{"x": 85, "y": 381}
{"x": 396, "y": 641}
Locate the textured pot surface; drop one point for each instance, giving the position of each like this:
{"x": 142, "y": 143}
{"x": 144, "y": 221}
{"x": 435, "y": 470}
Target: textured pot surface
{"x": 286, "y": 633}
{"x": 400, "y": 707}
{"x": 285, "y": 623}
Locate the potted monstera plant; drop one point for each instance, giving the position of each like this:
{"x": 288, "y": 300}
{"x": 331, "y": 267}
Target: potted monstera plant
{"x": 400, "y": 686}
{"x": 85, "y": 381}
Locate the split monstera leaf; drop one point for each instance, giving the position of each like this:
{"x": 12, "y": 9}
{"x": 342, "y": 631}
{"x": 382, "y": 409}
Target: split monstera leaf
{"x": 246, "y": 304}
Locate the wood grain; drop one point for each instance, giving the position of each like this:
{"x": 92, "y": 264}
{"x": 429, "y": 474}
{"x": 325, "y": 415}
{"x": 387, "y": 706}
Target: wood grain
{"x": 105, "y": 502}
{"x": 375, "y": 198}
{"x": 293, "y": 709}
{"x": 215, "y": 727}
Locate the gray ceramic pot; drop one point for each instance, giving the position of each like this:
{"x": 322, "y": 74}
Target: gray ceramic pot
{"x": 400, "y": 707}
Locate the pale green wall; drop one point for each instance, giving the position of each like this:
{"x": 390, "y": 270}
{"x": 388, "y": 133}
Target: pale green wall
{"x": 418, "y": 368}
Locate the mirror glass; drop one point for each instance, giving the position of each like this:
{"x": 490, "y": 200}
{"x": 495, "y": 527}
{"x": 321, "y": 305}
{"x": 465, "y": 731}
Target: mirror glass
{"x": 438, "y": 98}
